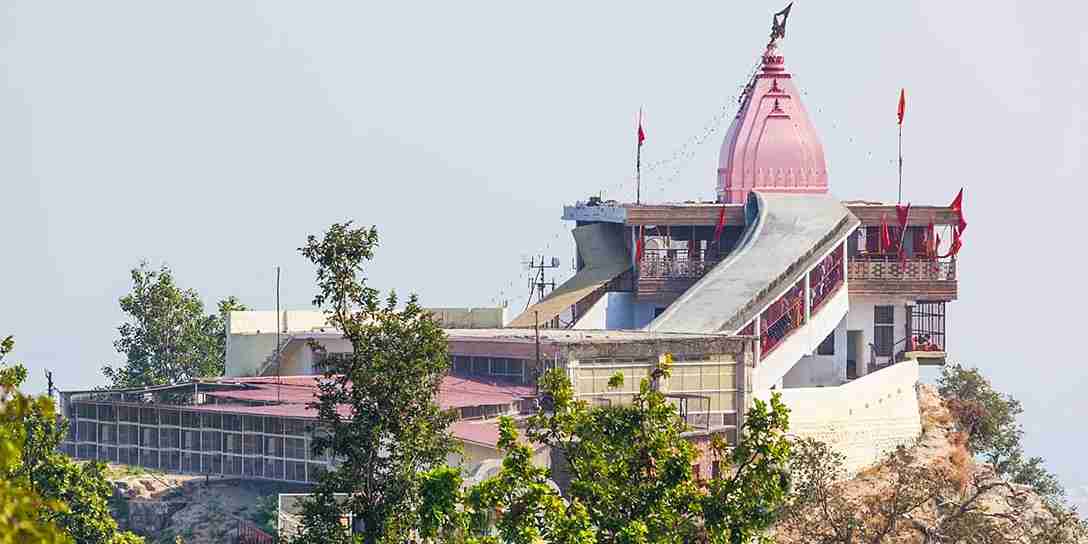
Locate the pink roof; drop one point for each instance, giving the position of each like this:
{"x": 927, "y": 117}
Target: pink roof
{"x": 479, "y": 432}
{"x": 772, "y": 145}
{"x": 294, "y": 393}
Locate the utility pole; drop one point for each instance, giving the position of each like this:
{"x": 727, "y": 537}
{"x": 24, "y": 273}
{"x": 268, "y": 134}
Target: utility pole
{"x": 278, "y": 326}
{"x": 538, "y": 281}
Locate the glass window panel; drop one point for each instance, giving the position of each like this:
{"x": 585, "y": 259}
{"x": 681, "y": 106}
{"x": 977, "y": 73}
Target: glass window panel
{"x": 107, "y": 433}
{"x": 274, "y": 446}
{"x": 169, "y": 417}
{"x": 212, "y": 463}
{"x": 295, "y": 448}
{"x": 212, "y": 421}
{"x": 232, "y": 422}
{"x": 190, "y": 419}
{"x": 273, "y": 425}
{"x": 190, "y": 440}
{"x": 273, "y": 468}
{"x": 149, "y": 416}
{"x": 253, "y": 424}
{"x": 232, "y": 443}
{"x": 211, "y": 441}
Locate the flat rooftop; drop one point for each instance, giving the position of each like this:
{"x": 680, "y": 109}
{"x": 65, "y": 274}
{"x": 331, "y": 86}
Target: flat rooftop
{"x": 572, "y": 336}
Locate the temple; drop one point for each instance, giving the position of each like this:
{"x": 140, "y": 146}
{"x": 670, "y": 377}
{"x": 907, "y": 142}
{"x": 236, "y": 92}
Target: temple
{"x": 777, "y": 286}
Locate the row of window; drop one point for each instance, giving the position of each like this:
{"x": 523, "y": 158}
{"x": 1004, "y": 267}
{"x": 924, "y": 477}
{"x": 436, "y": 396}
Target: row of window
{"x": 196, "y": 463}
{"x": 153, "y": 416}
{"x": 489, "y": 366}
{"x": 207, "y": 440}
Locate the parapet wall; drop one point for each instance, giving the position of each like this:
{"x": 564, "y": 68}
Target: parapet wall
{"x": 864, "y": 419}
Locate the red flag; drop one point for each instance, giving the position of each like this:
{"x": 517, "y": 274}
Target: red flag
{"x": 932, "y": 241}
{"x": 902, "y": 105}
{"x": 640, "y": 244}
{"x": 957, "y": 206}
{"x": 956, "y": 244}
{"x": 641, "y": 133}
{"x": 902, "y": 212}
{"x": 885, "y": 234}
{"x": 721, "y": 225}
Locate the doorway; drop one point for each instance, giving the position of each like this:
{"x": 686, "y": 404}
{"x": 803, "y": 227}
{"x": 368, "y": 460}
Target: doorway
{"x": 855, "y": 348}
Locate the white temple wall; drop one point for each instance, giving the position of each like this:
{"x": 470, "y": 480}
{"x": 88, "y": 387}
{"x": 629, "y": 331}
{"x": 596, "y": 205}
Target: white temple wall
{"x": 817, "y": 370}
{"x": 864, "y": 419}
{"x": 616, "y": 311}
{"x": 861, "y": 316}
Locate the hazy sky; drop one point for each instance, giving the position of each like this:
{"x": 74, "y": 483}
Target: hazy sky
{"x": 214, "y": 136}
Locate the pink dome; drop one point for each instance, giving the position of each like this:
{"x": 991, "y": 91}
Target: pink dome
{"x": 771, "y": 145}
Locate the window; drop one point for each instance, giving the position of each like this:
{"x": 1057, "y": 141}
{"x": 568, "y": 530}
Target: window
{"x": 212, "y": 441}
{"x": 883, "y": 330}
{"x": 480, "y": 365}
{"x": 169, "y": 417}
{"x": 190, "y": 440}
{"x": 273, "y": 425}
{"x": 253, "y": 424}
{"x": 462, "y": 363}
{"x": 295, "y": 448}
{"x": 274, "y": 446}
{"x": 232, "y": 422}
{"x": 506, "y": 367}
{"x": 294, "y": 427}
{"x": 232, "y": 443}
{"x": 827, "y": 347}
{"x": 190, "y": 419}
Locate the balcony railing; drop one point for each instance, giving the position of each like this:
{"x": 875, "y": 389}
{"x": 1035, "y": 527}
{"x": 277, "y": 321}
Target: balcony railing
{"x": 782, "y": 317}
{"x": 676, "y": 263}
{"x": 825, "y": 279}
{"x": 906, "y": 270}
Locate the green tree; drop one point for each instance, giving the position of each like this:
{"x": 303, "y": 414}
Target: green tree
{"x": 168, "y": 338}
{"x": 376, "y": 406}
{"x": 988, "y": 420}
{"x": 45, "y": 496}
{"x": 908, "y": 500}
{"x": 632, "y": 478}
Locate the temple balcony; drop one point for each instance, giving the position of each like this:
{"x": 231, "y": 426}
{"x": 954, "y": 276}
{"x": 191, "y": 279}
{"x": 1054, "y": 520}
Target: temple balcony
{"x": 919, "y": 279}
{"x": 663, "y": 274}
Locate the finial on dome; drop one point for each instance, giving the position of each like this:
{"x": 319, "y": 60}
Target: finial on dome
{"x": 778, "y": 24}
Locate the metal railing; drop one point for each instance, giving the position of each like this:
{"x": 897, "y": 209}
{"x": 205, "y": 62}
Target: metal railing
{"x": 676, "y": 263}
{"x": 825, "y": 279}
{"x": 909, "y": 270}
{"x": 782, "y": 317}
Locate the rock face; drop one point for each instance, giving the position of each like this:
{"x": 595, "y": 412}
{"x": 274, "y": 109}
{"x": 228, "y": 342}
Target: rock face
{"x": 941, "y": 451}
{"x": 161, "y": 507}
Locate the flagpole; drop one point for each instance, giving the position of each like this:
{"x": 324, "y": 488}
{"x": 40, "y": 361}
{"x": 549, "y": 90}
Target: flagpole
{"x": 899, "y": 200}
{"x": 638, "y": 161}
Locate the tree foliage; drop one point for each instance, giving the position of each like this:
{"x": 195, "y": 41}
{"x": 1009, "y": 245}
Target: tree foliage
{"x": 631, "y": 475}
{"x": 377, "y": 406}
{"x": 168, "y": 338}
{"x": 904, "y": 500}
{"x": 45, "y": 496}
{"x": 988, "y": 420}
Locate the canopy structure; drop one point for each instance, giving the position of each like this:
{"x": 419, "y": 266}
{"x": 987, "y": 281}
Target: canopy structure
{"x": 601, "y": 247}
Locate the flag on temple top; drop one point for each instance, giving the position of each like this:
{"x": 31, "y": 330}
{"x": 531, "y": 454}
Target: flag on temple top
{"x": 721, "y": 225}
{"x": 902, "y": 105}
{"x": 885, "y": 234}
{"x": 957, "y": 206}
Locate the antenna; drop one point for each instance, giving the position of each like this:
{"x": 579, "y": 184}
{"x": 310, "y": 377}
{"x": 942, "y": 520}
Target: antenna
{"x": 537, "y": 281}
